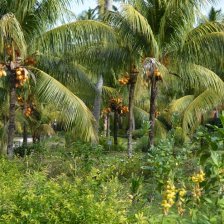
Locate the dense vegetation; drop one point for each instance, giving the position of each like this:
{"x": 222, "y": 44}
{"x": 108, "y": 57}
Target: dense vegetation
{"x": 124, "y": 108}
{"x": 83, "y": 183}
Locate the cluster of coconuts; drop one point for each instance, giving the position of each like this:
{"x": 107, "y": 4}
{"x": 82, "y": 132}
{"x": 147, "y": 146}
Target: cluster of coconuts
{"x": 116, "y": 105}
{"x": 28, "y": 111}
{"x": 123, "y": 110}
{"x": 157, "y": 113}
{"x": 106, "y": 111}
{"x": 20, "y": 100}
{"x": 21, "y": 77}
{"x": 124, "y": 80}
{"x": 156, "y": 73}
{"x": 2, "y": 71}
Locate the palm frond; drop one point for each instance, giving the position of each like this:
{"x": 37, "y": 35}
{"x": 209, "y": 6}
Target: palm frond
{"x": 110, "y": 54}
{"x": 44, "y": 129}
{"x": 179, "y": 17}
{"x": 160, "y": 129}
{"x": 141, "y": 113}
{"x": 130, "y": 23}
{"x": 199, "y": 78}
{"x": 180, "y": 104}
{"x": 11, "y": 30}
{"x": 201, "y": 105}
{"x": 51, "y": 11}
{"x": 109, "y": 91}
{"x": 68, "y": 72}
{"x": 73, "y": 111}
{"x": 65, "y": 37}
{"x": 204, "y": 49}
{"x": 204, "y": 29}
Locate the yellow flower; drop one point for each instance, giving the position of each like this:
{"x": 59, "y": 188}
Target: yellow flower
{"x": 170, "y": 195}
{"x": 194, "y": 179}
{"x": 171, "y": 201}
{"x": 198, "y": 178}
{"x": 165, "y": 204}
{"x": 182, "y": 192}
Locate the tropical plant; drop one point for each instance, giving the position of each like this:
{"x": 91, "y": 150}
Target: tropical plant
{"x": 179, "y": 49}
{"x": 28, "y": 36}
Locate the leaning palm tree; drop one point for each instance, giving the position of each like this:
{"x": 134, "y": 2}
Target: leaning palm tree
{"x": 163, "y": 32}
{"x": 28, "y": 33}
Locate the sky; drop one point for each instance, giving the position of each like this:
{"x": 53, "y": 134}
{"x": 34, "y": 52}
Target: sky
{"x": 78, "y": 8}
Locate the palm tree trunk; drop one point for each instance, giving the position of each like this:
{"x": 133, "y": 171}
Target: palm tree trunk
{"x": 133, "y": 122}
{"x": 12, "y": 107}
{"x": 105, "y": 126}
{"x": 104, "y": 6}
{"x": 130, "y": 117}
{"x": 152, "y": 111}
{"x": 115, "y": 127}
{"x": 108, "y": 126}
{"x": 24, "y": 126}
{"x": 97, "y": 102}
{"x": 108, "y": 5}
{"x": 24, "y": 135}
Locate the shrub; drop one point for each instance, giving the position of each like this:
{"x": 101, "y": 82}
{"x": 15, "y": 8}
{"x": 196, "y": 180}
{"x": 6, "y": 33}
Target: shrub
{"x": 33, "y": 198}
{"x": 27, "y": 150}
{"x": 108, "y": 145}
{"x": 142, "y": 144}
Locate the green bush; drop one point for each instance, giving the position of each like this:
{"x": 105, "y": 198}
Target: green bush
{"x": 139, "y": 133}
{"x": 142, "y": 144}
{"x": 108, "y": 145}
{"x": 84, "y": 184}
{"x": 27, "y": 150}
{"x": 33, "y": 198}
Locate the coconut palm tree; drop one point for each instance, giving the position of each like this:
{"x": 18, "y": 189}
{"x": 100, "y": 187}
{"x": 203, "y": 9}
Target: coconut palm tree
{"x": 28, "y": 34}
{"x": 164, "y": 32}
{"x": 103, "y": 6}
{"x": 97, "y": 14}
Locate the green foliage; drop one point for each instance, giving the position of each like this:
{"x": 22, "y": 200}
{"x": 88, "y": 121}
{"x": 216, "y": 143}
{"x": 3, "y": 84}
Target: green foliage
{"x": 211, "y": 157}
{"x": 143, "y": 131}
{"x": 84, "y": 183}
{"x": 167, "y": 161}
{"x": 35, "y": 199}
{"x": 108, "y": 145}
{"x": 142, "y": 144}
{"x": 27, "y": 150}
{"x": 138, "y": 133}
{"x": 79, "y": 148}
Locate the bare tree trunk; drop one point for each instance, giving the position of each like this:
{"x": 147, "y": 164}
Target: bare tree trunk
{"x": 133, "y": 123}
{"x": 115, "y": 127}
{"x": 24, "y": 126}
{"x": 130, "y": 117}
{"x": 152, "y": 111}
{"x": 24, "y": 135}
{"x": 108, "y": 126}
{"x": 108, "y": 5}
{"x": 97, "y": 102}
{"x": 105, "y": 126}
{"x": 12, "y": 107}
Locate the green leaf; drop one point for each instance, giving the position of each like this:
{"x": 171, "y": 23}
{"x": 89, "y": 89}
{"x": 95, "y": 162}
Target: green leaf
{"x": 215, "y": 158}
